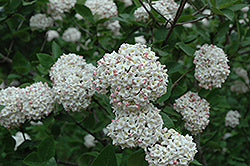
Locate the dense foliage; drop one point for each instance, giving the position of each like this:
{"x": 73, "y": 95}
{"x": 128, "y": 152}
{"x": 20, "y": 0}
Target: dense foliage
{"x": 78, "y": 136}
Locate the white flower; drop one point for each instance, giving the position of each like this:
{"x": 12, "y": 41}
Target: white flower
{"x": 211, "y": 68}
{"x": 20, "y": 139}
{"x": 40, "y": 21}
{"x": 114, "y": 26}
{"x": 141, "y": 14}
{"x": 227, "y": 135}
{"x": 232, "y": 118}
{"x": 239, "y": 87}
{"x": 39, "y": 101}
{"x": 242, "y": 73}
{"x": 140, "y": 39}
{"x": 71, "y": 35}
{"x": 245, "y": 9}
{"x": 72, "y": 82}
{"x": 102, "y": 8}
{"x": 62, "y": 6}
{"x": 78, "y": 16}
{"x": 140, "y": 128}
{"x": 12, "y": 115}
{"x": 127, "y": 2}
{"x": 171, "y": 149}
{"x": 39, "y": 123}
{"x": 206, "y": 12}
{"x": 195, "y": 111}
{"x": 134, "y": 76}
{"x": 52, "y": 34}
{"x": 89, "y": 141}
{"x": 188, "y": 25}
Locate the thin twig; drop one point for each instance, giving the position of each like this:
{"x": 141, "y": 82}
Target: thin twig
{"x": 176, "y": 82}
{"x": 149, "y": 13}
{"x": 97, "y": 102}
{"x": 66, "y": 163}
{"x": 193, "y": 21}
{"x": 178, "y": 14}
{"x": 200, "y": 10}
{"x": 5, "y": 59}
{"x": 201, "y": 156}
{"x": 158, "y": 12}
{"x": 244, "y": 52}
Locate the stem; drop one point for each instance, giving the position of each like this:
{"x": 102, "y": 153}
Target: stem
{"x": 176, "y": 82}
{"x": 200, "y": 152}
{"x": 193, "y": 21}
{"x": 178, "y": 14}
{"x": 97, "y": 102}
{"x": 199, "y": 11}
{"x": 5, "y": 59}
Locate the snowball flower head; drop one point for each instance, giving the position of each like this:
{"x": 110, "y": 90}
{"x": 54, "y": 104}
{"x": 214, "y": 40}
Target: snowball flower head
{"x": 232, "y": 118}
{"x": 39, "y": 100}
{"x": 102, "y": 8}
{"x": 211, "y": 68}
{"x": 172, "y": 149}
{"x": 52, "y": 34}
{"x": 20, "y": 139}
{"x": 140, "y": 39}
{"x": 134, "y": 76}
{"x": 141, "y": 14}
{"x": 127, "y": 2}
{"x": 89, "y": 141}
{"x": 40, "y": 21}
{"x": 239, "y": 87}
{"x": 61, "y": 6}
{"x": 71, "y": 35}
{"x": 72, "y": 81}
{"x": 194, "y": 110}
{"x": 114, "y": 26}
{"x": 242, "y": 73}
{"x": 132, "y": 129}
{"x": 12, "y": 115}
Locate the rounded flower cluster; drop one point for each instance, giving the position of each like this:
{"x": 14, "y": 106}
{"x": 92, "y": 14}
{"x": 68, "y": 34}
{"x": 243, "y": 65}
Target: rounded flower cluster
{"x": 134, "y": 76}
{"x": 211, "y": 68}
{"x": 61, "y": 6}
{"x": 39, "y": 100}
{"x": 114, "y": 26}
{"x": 12, "y": 115}
{"x": 195, "y": 111}
{"x": 127, "y": 2}
{"x": 52, "y": 34}
{"x": 172, "y": 149}
{"x": 89, "y": 141}
{"x": 141, "y": 14}
{"x": 239, "y": 87}
{"x": 140, "y": 39}
{"x": 72, "y": 82}
{"x": 167, "y": 8}
{"x": 71, "y": 35}
{"x": 140, "y": 128}
{"x": 232, "y": 118}
{"x": 242, "y": 73}
{"x": 40, "y": 21}
{"x": 103, "y": 8}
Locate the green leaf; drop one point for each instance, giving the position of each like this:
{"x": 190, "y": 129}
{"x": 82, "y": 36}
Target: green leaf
{"x": 38, "y": 78}
{"x": 166, "y": 95}
{"x": 160, "y": 34}
{"x": 24, "y": 85}
{"x": 137, "y": 3}
{"x": 56, "y": 50}
{"x": 32, "y": 159}
{"x": 188, "y": 50}
{"x": 213, "y": 3}
{"x": 45, "y": 60}
{"x": 21, "y": 64}
{"x": 64, "y": 117}
{"x": 228, "y": 13}
{"x": 217, "y": 11}
{"x": 24, "y": 36}
{"x": 51, "y": 162}
{"x": 137, "y": 159}
{"x": 170, "y": 111}
{"x": 106, "y": 157}
{"x": 87, "y": 158}
{"x": 237, "y": 7}
{"x": 195, "y": 162}
{"x": 85, "y": 12}
{"x": 185, "y": 18}
{"x": 28, "y": 3}
{"x": 167, "y": 120}
{"x": 46, "y": 149}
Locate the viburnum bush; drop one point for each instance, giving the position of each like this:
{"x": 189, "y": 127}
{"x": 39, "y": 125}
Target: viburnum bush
{"x": 124, "y": 82}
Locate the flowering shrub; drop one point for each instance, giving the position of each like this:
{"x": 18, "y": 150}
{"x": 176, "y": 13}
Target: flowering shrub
{"x": 124, "y": 82}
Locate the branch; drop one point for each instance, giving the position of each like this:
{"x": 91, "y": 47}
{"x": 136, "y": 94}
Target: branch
{"x": 200, "y": 10}
{"x": 149, "y": 13}
{"x": 193, "y": 21}
{"x": 5, "y": 59}
{"x": 201, "y": 156}
{"x": 66, "y": 163}
{"x": 178, "y": 14}
{"x": 176, "y": 82}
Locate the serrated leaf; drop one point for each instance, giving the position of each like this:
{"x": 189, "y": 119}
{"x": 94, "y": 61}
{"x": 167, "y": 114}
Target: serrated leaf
{"x": 46, "y": 149}
{"x": 106, "y": 157}
{"x": 56, "y": 50}
{"x": 185, "y": 48}
{"x": 45, "y": 60}
{"x": 85, "y": 12}
{"x": 137, "y": 159}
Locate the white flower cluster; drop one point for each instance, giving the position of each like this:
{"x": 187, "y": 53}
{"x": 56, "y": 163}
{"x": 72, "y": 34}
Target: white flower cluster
{"x": 134, "y": 76}
{"x": 140, "y": 128}
{"x": 32, "y": 102}
{"x": 172, "y": 149}
{"x": 127, "y": 2}
{"x": 140, "y": 39}
{"x": 72, "y": 82}
{"x": 71, "y": 35}
{"x": 167, "y": 8}
{"x": 195, "y": 111}
{"x": 89, "y": 141}
{"x": 20, "y": 139}
{"x": 242, "y": 73}
{"x": 52, "y": 34}
{"x": 114, "y": 26}
{"x": 239, "y": 87}
{"x": 211, "y": 68}
{"x": 40, "y": 21}
{"x": 141, "y": 14}
{"x": 61, "y": 6}
{"x": 103, "y": 8}
{"x": 232, "y": 118}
